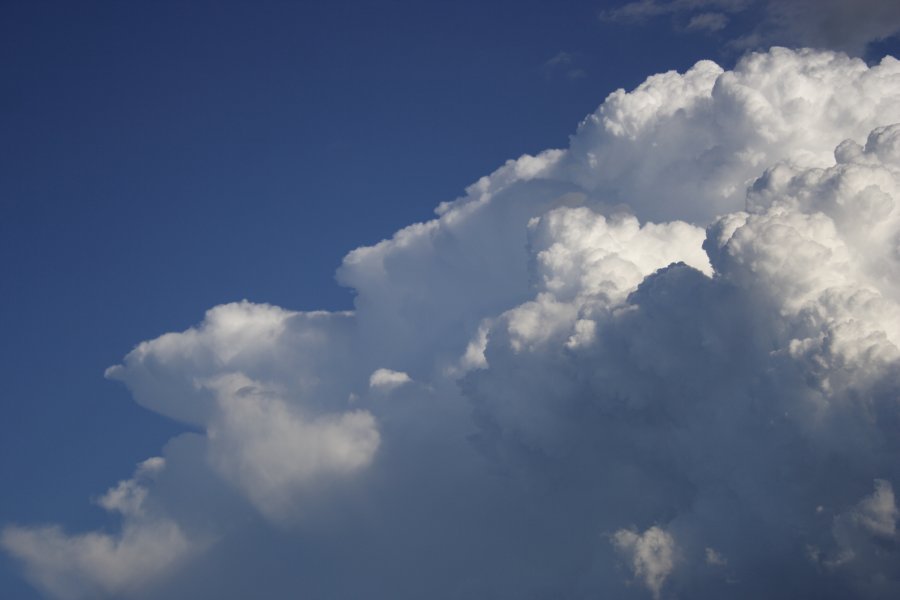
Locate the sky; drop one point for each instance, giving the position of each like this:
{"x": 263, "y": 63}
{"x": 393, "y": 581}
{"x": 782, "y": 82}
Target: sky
{"x": 527, "y": 400}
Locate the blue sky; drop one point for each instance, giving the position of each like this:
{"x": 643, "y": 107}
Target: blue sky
{"x": 162, "y": 158}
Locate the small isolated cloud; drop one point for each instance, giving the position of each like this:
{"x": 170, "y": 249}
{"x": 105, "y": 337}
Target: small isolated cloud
{"x": 651, "y": 555}
{"x": 564, "y": 64}
{"x": 877, "y": 513}
{"x": 387, "y": 380}
{"x": 715, "y": 559}
{"x": 690, "y": 316}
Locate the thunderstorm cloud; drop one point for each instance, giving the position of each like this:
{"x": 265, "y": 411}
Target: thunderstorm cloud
{"x": 662, "y": 362}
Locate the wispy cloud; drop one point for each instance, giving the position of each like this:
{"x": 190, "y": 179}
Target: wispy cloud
{"x": 845, "y": 25}
{"x": 565, "y": 64}
{"x": 642, "y": 10}
{"x": 707, "y": 21}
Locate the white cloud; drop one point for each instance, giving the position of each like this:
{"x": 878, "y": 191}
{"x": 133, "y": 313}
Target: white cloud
{"x": 715, "y": 559}
{"x": 651, "y": 555}
{"x": 690, "y": 316}
{"x": 727, "y": 127}
{"x": 385, "y": 379}
{"x": 97, "y": 564}
{"x": 274, "y": 454}
{"x": 129, "y": 495}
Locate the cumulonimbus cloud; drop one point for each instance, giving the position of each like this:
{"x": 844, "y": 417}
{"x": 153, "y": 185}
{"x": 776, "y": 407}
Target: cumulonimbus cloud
{"x": 663, "y": 361}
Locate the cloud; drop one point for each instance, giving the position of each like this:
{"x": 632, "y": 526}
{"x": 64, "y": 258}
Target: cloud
{"x": 129, "y": 495}
{"x": 878, "y": 513}
{"x": 651, "y": 555}
{"x": 835, "y": 24}
{"x": 273, "y": 453}
{"x": 668, "y": 354}
{"x": 97, "y": 564}
{"x": 714, "y": 558}
{"x": 385, "y": 379}
{"x": 642, "y": 10}
{"x": 707, "y": 21}
{"x": 864, "y": 539}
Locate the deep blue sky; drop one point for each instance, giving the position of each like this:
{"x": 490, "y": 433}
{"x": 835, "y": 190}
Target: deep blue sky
{"x": 159, "y": 158}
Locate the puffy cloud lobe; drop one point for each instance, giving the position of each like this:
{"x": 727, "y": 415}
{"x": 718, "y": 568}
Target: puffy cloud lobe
{"x": 92, "y": 565}
{"x": 274, "y": 454}
{"x": 265, "y": 343}
{"x": 385, "y": 379}
{"x": 878, "y": 513}
{"x": 729, "y": 387}
{"x": 580, "y": 252}
{"x": 727, "y": 127}
{"x": 129, "y": 495}
{"x": 673, "y": 345}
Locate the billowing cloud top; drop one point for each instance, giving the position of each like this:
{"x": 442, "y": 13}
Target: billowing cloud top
{"x": 660, "y": 363}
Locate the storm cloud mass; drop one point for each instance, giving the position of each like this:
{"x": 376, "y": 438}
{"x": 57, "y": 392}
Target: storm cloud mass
{"x": 661, "y": 363}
